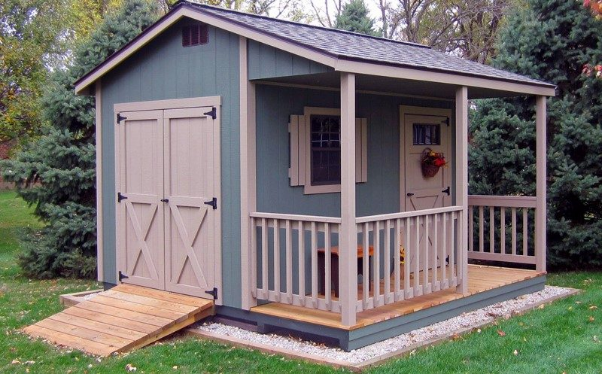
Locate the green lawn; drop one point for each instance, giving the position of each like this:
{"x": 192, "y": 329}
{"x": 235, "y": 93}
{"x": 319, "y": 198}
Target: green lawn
{"x": 563, "y": 337}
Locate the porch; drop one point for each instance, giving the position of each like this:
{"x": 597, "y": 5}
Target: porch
{"x": 338, "y": 255}
{"x": 405, "y": 261}
{"x": 481, "y": 279}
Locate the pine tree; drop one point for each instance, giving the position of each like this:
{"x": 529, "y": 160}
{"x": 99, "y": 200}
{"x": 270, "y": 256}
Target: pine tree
{"x": 354, "y": 17}
{"x": 57, "y": 172}
{"x": 549, "y": 40}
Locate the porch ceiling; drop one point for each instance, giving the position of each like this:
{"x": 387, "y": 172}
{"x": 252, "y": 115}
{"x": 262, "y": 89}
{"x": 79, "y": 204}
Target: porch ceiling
{"x": 331, "y": 80}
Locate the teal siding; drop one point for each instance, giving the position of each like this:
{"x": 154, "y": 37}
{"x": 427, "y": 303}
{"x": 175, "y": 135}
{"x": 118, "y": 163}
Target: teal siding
{"x": 166, "y": 70}
{"x": 377, "y": 196}
{"x": 268, "y": 62}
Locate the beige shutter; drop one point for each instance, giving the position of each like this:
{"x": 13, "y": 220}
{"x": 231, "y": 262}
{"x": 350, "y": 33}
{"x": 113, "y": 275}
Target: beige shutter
{"x": 298, "y": 148}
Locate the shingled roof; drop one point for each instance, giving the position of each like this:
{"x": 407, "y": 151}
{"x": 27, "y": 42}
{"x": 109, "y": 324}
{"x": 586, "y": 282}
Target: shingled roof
{"x": 332, "y": 44}
{"x": 348, "y": 45}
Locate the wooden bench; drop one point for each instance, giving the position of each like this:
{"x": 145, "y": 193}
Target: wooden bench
{"x": 334, "y": 267}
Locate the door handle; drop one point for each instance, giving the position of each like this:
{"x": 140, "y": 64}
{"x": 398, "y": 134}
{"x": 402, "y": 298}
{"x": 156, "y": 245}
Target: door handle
{"x": 410, "y": 194}
{"x": 447, "y": 191}
{"x": 165, "y": 200}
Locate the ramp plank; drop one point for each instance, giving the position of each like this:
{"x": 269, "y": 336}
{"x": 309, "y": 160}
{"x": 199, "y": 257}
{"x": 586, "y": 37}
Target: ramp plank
{"x": 122, "y": 319}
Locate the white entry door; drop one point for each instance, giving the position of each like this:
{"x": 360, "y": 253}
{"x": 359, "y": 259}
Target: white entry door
{"x": 168, "y": 188}
{"x": 421, "y": 132}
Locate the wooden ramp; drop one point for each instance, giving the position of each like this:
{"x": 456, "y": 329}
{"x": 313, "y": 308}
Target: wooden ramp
{"x": 121, "y": 319}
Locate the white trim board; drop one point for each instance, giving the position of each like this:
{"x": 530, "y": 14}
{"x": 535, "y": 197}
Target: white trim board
{"x": 99, "y": 210}
{"x": 342, "y": 65}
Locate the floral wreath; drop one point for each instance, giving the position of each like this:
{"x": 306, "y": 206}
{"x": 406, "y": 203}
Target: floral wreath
{"x": 431, "y": 162}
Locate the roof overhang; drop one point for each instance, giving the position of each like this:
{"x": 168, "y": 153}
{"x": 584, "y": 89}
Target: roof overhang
{"x": 83, "y": 85}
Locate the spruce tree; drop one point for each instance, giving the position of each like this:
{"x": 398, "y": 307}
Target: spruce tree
{"x": 354, "y": 17}
{"x": 56, "y": 174}
{"x": 549, "y": 40}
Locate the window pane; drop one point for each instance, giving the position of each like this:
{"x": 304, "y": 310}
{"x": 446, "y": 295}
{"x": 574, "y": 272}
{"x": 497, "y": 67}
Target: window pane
{"x": 325, "y": 149}
{"x": 426, "y": 134}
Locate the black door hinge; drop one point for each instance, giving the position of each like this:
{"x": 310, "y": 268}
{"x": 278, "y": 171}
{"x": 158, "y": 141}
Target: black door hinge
{"x": 121, "y": 197}
{"x": 446, "y": 121}
{"x": 447, "y": 191}
{"x": 213, "y": 203}
{"x": 410, "y": 194}
{"x": 122, "y": 276}
{"x": 213, "y": 293}
{"x": 120, "y": 118}
{"x": 212, "y": 113}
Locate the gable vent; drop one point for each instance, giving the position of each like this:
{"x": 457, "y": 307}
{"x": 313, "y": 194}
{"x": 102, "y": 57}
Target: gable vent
{"x": 194, "y": 35}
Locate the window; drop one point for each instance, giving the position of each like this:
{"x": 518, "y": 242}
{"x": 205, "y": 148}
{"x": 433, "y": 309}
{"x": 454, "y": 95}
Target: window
{"x": 325, "y": 149}
{"x": 427, "y": 134}
{"x": 315, "y": 150}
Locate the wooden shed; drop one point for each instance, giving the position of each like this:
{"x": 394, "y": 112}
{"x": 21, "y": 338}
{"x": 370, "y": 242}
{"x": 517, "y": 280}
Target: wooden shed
{"x": 294, "y": 175}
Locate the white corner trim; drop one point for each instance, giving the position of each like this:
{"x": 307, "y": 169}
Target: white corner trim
{"x": 99, "y": 213}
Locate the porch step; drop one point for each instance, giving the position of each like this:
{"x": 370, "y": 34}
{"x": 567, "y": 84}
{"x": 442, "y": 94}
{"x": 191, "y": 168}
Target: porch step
{"x": 121, "y": 319}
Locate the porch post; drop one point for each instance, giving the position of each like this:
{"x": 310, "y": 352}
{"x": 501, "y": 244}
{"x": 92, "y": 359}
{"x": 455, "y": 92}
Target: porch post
{"x": 348, "y": 231}
{"x": 541, "y": 165}
{"x": 462, "y": 185}
{"x": 248, "y": 196}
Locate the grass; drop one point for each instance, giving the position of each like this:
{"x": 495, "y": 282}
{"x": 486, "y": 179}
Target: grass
{"x": 562, "y": 337}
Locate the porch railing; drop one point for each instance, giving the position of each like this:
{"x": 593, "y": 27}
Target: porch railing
{"x": 286, "y": 249}
{"x": 400, "y": 256}
{"x": 501, "y": 228}
{"x": 414, "y": 253}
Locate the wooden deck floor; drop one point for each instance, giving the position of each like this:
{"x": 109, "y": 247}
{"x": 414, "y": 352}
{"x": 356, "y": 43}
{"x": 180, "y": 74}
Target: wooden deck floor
{"x": 480, "y": 279}
{"x": 121, "y": 319}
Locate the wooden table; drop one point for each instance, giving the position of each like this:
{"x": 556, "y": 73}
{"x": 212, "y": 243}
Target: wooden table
{"x": 334, "y": 267}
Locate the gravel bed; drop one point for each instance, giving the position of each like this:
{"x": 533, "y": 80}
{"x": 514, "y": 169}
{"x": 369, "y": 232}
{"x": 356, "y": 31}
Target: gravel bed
{"x": 478, "y": 317}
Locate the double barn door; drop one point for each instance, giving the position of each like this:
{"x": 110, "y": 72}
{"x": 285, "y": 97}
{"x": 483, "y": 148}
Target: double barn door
{"x": 167, "y": 183}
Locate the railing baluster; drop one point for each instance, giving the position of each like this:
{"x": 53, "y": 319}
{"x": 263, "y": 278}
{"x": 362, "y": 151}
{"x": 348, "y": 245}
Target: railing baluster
{"x": 398, "y": 295}
{"x": 327, "y": 264}
{"x": 514, "y": 231}
{"x": 365, "y": 267}
{"x": 314, "y": 265}
{"x": 435, "y": 279}
{"x": 417, "y": 290}
{"x": 481, "y": 230}
{"x": 426, "y": 286}
{"x": 470, "y": 228}
{"x": 503, "y": 230}
{"x": 253, "y": 257}
{"x": 376, "y": 264}
{"x": 444, "y": 256}
{"x": 387, "y": 273}
{"x": 409, "y": 292}
{"x": 491, "y": 229}
{"x": 289, "y": 262}
{"x": 452, "y": 251}
{"x": 301, "y": 263}
{"x": 264, "y": 257}
{"x": 276, "y": 247}
{"x": 525, "y": 232}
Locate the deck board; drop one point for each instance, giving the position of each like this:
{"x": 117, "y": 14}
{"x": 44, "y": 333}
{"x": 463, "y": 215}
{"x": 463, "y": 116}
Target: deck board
{"x": 121, "y": 319}
{"x": 480, "y": 279}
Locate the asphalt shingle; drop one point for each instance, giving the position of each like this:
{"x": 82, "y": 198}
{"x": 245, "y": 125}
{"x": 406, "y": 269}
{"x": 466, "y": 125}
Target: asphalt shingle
{"x": 348, "y": 45}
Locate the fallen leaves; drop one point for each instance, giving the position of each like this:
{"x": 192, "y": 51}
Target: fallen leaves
{"x": 130, "y": 368}
{"x": 501, "y": 333}
{"x": 515, "y": 352}
{"x": 591, "y": 319}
